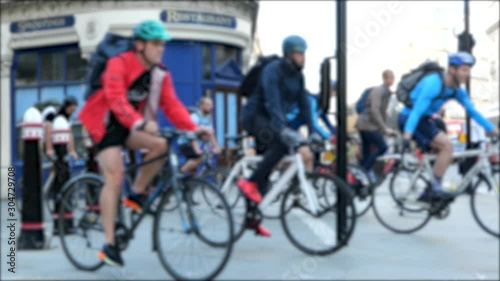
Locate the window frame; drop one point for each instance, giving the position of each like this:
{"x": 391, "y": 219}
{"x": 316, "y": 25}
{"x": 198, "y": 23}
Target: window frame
{"x": 226, "y": 92}
{"x": 17, "y": 158}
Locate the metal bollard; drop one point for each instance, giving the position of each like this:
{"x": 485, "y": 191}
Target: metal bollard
{"x": 60, "y": 138}
{"x": 32, "y": 234}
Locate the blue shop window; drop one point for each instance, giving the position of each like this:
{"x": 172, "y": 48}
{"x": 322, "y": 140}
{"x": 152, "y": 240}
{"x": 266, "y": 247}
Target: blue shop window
{"x": 42, "y": 75}
{"x": 26, "y": 69}
{"x": 232, "y": 113}
{"x": 206, "y": 60}
{"x": 52, "y": 93}
{"x": 52, "y": 66}
{"x": 25, "y": 98}
{"x": 76, "y": 65}
{"x": 219, "y": 116}
{"x": 224, "y": 53}
{"x": 77, "y": 92}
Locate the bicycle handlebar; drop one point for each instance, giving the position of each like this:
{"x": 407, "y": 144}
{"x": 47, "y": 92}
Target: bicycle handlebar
{"x": 171, "y": 133}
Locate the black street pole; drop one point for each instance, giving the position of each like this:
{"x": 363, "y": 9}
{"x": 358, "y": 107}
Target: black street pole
{"x": 467, "y": 47}
{"x": 341, "y": 110}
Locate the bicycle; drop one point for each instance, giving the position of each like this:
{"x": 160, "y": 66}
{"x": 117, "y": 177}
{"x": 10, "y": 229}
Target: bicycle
{"x": 181, "y": 198}
{"x": 299, "y": 190}
{"x": 220, "y": 174}
{"x": 357, "y": 177}
{"x": 48, "y": 198}
{"x": 477, "y": 182}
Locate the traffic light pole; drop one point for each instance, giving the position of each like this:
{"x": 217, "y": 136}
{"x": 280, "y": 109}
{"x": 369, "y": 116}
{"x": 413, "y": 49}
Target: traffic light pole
{"x": 341, "y": 111}
{"x": 468, "y": 47}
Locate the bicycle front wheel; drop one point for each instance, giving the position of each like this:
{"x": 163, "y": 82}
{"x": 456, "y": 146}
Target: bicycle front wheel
{"x": 218, "y": 176}
{"x": 194, "y": 239}
{"x": 80, "y": 224}
{"x": 317, "y": 234}
{"x": 395, "y": 204}
{"x": 485, "y": 204}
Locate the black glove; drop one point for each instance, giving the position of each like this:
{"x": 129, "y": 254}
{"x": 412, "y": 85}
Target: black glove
{"x": 315, "y": 138}
{"x": 316, "y": 142}
{"x": 291, "y": 138}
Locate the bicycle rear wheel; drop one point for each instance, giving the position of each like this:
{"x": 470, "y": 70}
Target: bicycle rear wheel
{"x": 315, "y": 234}
{"x": 395, "y": 205}
{"x": 485, "y": 204}
{"x": 195, "y": 239}
{"x": 80, "y": 223}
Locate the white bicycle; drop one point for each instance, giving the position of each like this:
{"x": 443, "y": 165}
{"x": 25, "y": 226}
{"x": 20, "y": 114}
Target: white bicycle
{"x": 309, "y": 209}
{"x": 398, "y": 209}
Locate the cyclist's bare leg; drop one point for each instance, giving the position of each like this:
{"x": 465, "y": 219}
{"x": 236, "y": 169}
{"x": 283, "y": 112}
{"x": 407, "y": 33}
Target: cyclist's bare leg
{"x": 191, "y": 165}
{"x": 155, "y": 146}
{"x": 110, "y": 160}
{"x": 307, "y": 157}
{"x": 443, "y": 145}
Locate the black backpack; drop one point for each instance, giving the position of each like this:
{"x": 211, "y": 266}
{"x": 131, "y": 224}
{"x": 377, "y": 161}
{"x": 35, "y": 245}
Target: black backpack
{"x": 112, "y": 45}
{"x": 251, "y": 79}
{"x": 410, "y": 80}
{"x": 361, "y": 103}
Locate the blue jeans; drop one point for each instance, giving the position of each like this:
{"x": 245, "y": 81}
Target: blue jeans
{"x": 368, "y": 139}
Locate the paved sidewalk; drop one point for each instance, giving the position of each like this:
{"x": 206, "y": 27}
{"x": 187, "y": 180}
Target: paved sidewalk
{"x": 452, "y": 249}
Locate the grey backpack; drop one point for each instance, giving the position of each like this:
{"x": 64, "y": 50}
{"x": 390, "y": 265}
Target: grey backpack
{"x": 410, "y": 80}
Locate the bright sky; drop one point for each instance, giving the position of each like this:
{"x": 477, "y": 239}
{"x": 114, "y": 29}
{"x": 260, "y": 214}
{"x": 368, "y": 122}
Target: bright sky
{"x": 377, "y": 32}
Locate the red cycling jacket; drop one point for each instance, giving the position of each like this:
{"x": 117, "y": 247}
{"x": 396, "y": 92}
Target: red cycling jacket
{"x": 115, "y": 96}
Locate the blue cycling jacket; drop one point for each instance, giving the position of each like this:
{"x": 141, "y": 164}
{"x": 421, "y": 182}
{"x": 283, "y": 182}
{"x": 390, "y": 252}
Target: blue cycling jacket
{"x": 280, "y": 89}
{"x": 427, "y": 99}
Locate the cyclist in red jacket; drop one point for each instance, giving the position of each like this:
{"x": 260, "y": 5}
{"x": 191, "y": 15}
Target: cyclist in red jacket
{"x": 123, "y": 113}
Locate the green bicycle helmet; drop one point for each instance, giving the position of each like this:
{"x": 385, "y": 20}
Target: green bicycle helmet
{"x": 151, "y": 30}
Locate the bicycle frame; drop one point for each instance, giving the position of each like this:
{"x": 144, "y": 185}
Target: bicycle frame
{"x": 296, "y": 167}
{"x": 168, "y": 174}
{"x": 482, "y": 166}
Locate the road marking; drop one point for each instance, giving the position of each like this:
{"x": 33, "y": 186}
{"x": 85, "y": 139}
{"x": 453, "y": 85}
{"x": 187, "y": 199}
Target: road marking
{"x": 326, "y": 234}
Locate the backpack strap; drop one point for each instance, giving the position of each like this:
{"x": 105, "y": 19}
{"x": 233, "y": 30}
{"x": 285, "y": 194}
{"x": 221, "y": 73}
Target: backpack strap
{"x": 443, "y": 87}
{"x": 151, "y": 107}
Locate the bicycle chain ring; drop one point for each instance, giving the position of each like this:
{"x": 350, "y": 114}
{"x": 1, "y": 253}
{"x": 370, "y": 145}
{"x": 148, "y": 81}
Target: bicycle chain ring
{"x": 121, "y": 236}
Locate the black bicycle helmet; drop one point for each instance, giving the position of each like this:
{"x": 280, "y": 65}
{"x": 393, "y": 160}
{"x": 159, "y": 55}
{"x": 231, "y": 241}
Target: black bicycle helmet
{"x": 70, "y": 100}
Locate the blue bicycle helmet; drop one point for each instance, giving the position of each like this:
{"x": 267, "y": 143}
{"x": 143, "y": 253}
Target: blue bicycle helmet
{"x": 294, "y": 43}
{"x": 151, "y": 30}
{"x": 461, "y": 58}
{"x": 333, "y": 84}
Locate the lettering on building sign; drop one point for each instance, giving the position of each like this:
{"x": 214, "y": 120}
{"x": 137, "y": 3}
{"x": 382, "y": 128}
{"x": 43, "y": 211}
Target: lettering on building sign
{"x": 171, "y": 16}
{"x": 41, "y": 24}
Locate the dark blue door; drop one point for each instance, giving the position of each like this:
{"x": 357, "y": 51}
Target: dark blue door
{"x": 182, "y": 58}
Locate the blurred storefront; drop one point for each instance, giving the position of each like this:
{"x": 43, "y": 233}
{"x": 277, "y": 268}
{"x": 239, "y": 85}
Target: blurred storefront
{"x": 46, "y": 44}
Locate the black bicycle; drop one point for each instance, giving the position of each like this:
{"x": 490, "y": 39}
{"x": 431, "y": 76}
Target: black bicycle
{"x": 185, "y": 210}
